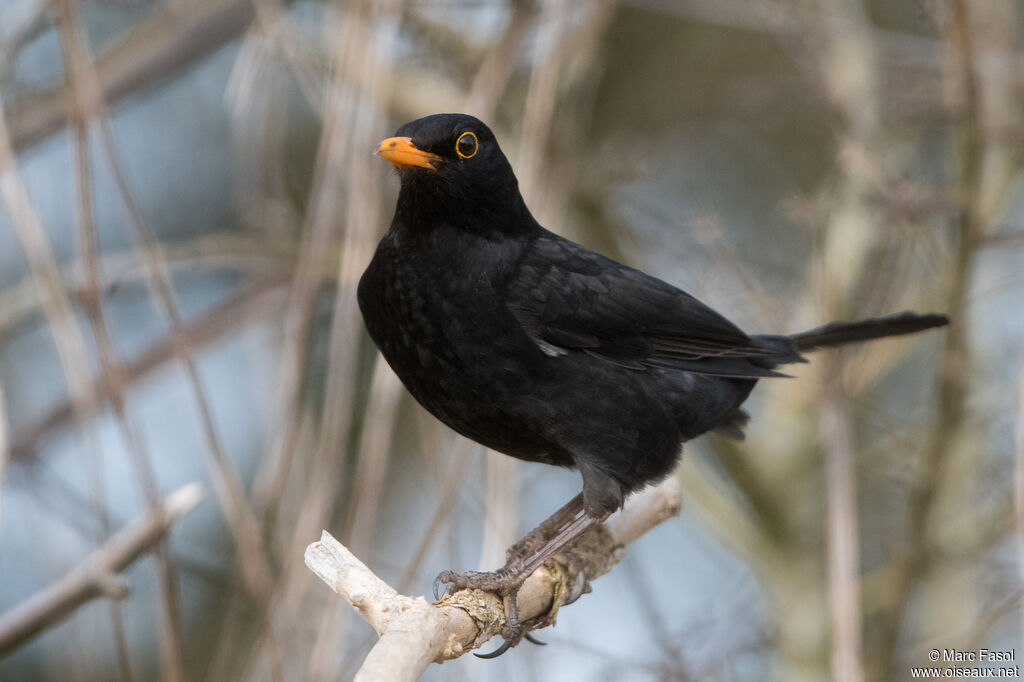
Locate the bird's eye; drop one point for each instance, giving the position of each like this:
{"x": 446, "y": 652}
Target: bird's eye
{"x": 466, "y": 145}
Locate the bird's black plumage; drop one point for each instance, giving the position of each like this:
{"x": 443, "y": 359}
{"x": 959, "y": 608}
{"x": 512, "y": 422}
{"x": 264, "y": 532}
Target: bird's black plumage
{"x": 538, "y": 348}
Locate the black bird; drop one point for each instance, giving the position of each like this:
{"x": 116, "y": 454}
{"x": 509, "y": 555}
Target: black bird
{"x": 536, "y": 347}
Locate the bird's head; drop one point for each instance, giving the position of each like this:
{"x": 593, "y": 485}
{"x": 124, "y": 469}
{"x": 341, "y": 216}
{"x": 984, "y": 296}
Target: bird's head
{"x": 453, "y": 171}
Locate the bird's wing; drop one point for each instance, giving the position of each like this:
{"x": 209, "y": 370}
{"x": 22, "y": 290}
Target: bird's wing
{"x": 570, "y": 299}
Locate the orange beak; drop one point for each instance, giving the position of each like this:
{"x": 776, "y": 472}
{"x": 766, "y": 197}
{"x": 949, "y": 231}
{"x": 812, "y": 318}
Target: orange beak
{"x": 402, "y": 152}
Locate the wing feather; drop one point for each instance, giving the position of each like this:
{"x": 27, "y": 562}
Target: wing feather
{"x": 570, "y": 298}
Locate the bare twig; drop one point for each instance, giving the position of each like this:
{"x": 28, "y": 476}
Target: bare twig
{"x": 81, "y": 111}
{"x": 119, "y": 269}
{"x": 375, "y": 454}
{"x": 954, "y": 381}
{"x": 460, "y": 457}
{"x": 1018, "y": 487}
{"x": 414, "y": 633}
{"x": 243, "y": 524}
{"x": 275, "y": 26}
{"x": 5, "y": 446}
{"x": 97, "y": 576}
{"x": 1012, "y": 237}
{"x": 43, "y": 266}
{"x": 498, "y": 65}
{"x": 20, "y": 22}
{"x": 74, "y": 359}
{"x": 851, "y": 78}
{"x": 88, "y": 89}
{"x": 157, "y": 48}
{"x": 253, "y": 301}
{"x": 843, "y": 546}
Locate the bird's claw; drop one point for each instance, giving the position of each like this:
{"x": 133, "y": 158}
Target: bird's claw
{"x": 453, "y": 582}
{"x": 438, "y": 581}
{"x": 509, "y": 643}
{"x": 505, "y": 646}
{"x": 504, "y": 583}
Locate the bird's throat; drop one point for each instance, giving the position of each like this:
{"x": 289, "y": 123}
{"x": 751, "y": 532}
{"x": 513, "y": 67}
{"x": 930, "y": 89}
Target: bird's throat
{"x": 425, "y": 206}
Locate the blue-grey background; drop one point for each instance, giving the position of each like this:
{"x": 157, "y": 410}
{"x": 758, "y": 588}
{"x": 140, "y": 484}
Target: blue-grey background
{"x": 788, "y": 162}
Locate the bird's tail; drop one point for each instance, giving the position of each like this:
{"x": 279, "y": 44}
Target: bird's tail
{"x": 839, "y": 333}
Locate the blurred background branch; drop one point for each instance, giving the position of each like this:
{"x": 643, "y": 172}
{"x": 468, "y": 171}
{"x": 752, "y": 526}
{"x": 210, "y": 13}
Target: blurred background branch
{"x": 97, "y": 576}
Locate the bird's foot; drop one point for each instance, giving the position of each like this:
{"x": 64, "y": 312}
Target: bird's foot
{"x": 502, "y": 582}
{"x": 523, "y": 558}
{"x": 575, "y": 566}
{"x": 505, "y": 583}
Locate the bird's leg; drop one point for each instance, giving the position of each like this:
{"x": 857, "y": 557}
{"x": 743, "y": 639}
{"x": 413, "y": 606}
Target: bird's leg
{"x": 525, "y": 557}
{"x": 548, "y": 528}
{"x": 518, "y": 553}
{"x": 564, "y": 537}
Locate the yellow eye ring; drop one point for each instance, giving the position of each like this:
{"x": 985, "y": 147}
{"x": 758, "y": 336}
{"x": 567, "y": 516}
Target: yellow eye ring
{"x": 466, "y": 146}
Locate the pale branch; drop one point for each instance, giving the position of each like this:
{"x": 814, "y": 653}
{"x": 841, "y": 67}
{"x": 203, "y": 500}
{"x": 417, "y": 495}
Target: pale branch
{"x": 254, "y": 300}
{"x": 156, "y": 48}
{"x": 414, "y": 633}
{"x": 98, "y": 575}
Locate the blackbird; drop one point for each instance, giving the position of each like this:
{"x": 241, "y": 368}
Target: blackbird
{"x": 543, "y": 350}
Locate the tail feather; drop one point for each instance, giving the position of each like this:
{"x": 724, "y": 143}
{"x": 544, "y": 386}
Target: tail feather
{"x": 839, "y": 333}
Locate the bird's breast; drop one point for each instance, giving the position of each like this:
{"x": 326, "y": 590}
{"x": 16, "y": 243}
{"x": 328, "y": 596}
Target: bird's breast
{"x": 439, "y": 311}
{"x": 443, "y": 326}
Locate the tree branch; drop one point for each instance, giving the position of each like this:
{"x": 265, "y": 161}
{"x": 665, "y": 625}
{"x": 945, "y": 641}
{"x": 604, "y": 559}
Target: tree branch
{"x": 157, "y": 48}
{"x": 414, "y": 633}
{"x": 97, "y": 576}
{"x": 254, "y": 300}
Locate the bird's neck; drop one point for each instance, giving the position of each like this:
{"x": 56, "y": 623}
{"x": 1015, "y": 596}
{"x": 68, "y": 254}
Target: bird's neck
{"x": 492, "y": 215}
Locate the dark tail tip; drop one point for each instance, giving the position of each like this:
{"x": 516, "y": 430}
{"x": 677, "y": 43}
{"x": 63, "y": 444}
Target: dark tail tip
{"x": 839, "y": 333}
